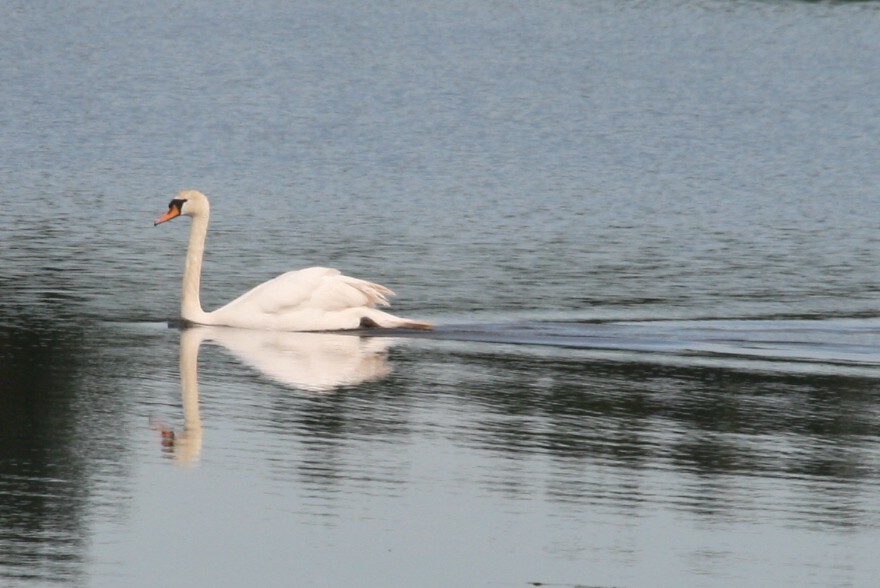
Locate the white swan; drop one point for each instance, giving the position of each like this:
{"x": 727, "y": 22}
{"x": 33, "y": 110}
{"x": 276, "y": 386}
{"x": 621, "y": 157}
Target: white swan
{"x": 312, "y": 299}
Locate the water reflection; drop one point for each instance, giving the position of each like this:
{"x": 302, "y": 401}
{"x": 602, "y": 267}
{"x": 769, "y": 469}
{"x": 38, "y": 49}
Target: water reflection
{"x": 711, "y": 441}
{"x": 186, "y": 446}
{"x": 46, "y": 461}
{"x": 313, "y": 362}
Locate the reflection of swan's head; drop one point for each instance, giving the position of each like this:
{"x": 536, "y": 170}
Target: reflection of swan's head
{"x": 188, "y": 203}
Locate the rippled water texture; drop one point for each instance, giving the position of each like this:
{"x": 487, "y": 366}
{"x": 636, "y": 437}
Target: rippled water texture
{"x": 647, "y": 232}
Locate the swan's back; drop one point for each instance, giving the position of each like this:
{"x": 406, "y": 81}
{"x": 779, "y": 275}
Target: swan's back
{"x": 312, "y": 299}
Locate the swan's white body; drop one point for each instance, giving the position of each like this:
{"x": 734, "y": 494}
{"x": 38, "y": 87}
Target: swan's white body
{"x": 313, "y": 299}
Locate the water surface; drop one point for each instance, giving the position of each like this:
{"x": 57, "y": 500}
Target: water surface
{"x": 646, "y": 232}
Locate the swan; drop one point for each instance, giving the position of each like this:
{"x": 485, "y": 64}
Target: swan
{"x": 312, "y": 299}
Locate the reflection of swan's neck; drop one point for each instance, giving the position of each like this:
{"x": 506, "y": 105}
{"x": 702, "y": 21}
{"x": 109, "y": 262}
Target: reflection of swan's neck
{"x": 190, "y": 306}
{"x": 188, "y": 445}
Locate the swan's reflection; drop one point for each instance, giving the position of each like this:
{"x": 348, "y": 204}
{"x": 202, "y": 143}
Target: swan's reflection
{"x": 315, "y": 362}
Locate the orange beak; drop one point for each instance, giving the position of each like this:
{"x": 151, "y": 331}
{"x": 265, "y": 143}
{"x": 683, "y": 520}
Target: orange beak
{"x": 173, "y": 211}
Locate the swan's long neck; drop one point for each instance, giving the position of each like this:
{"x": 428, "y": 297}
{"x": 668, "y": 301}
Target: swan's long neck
{"x": 190, "y": 305}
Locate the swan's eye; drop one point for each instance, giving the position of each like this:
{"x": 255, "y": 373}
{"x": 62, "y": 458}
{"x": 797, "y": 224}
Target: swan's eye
{"x": 177, "y": 203}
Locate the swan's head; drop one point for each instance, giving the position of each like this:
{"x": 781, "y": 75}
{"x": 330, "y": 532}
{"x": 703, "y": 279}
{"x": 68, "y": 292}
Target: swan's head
{"x": 188, "y": 202}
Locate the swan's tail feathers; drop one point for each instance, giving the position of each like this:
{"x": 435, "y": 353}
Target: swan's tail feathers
{"x": 377, "y": 294}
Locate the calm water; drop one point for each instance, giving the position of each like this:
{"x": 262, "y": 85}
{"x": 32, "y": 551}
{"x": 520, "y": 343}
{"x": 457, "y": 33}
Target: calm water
{"x": 647, "y": 230}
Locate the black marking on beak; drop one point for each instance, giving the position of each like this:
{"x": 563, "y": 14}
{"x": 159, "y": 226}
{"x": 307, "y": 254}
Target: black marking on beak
{"x": 175, "y": 209}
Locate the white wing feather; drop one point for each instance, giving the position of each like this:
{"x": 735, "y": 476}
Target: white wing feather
{"x": 315, "y": 288}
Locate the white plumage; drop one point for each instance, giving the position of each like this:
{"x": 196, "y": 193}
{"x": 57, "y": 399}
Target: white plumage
{"x": 312, "y": 299}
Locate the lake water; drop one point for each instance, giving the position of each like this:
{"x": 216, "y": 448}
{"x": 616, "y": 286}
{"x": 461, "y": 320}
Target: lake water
{"x": 647, "y": 232}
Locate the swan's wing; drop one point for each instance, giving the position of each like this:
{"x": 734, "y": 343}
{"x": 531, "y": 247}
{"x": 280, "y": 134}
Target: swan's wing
{"x": 316, "y": 288}
{"x": 338, "y": 292}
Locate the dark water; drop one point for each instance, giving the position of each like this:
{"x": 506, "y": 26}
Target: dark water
{"x": 647, "y": 232}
